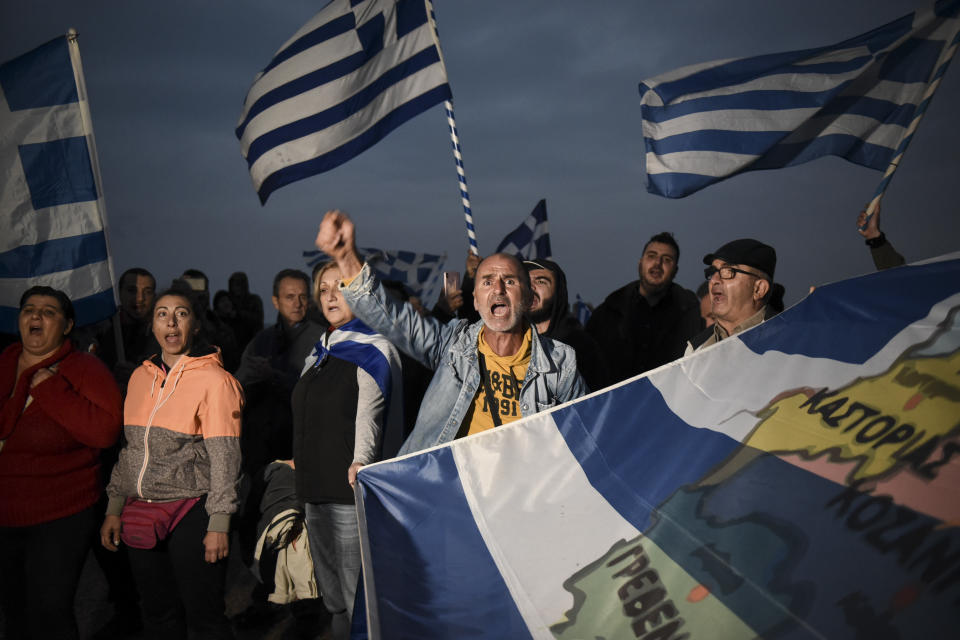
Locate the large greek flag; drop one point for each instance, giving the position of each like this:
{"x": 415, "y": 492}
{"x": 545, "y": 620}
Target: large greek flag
{"x": 798, "y": 480}
{"x": 355, "y": 72}
{"x": 857, "y": 100}
{"x": 51, "y": 205}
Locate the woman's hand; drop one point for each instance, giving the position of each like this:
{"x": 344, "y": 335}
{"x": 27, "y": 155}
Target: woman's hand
{"x": 110, "y": 533}
{"x": 352, "y": 473}
{"x": 216, "y": 545}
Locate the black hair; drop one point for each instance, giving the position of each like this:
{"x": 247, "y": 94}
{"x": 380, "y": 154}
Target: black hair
{"x": 289, "y": 273}
{"x": 703, "y": 289}
{"x": 665, "y": 237}
{"x": 136, "y": 271}
{"x": 42, "y": 290}
{"x": 196, "y": 273}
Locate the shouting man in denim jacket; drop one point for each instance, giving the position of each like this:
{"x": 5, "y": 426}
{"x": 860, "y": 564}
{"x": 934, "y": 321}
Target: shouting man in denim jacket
{"x": 487, "y": 373}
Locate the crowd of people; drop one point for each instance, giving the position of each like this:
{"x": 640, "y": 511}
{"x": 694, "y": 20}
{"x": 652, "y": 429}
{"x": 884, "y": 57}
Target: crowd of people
{"x": 178, "y": 430}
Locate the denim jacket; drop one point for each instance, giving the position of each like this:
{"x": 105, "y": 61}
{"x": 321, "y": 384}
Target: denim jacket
{"x": 451, "y": 351}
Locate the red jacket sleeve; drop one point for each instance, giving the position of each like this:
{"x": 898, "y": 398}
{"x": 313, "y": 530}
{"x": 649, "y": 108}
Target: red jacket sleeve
{"x": 83, "y": 398}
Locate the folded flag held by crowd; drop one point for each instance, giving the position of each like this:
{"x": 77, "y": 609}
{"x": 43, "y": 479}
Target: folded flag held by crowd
{"x": 786, "y": 482}
{"x": 51, "y": 202}
{"x": 531, "y": 240}
{"x": 355, "y": 72}
{"x": 420, "y": 273}
{"x": 860, "y": 99}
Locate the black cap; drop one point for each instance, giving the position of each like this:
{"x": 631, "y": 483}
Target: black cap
{"x": 746, "y": 251}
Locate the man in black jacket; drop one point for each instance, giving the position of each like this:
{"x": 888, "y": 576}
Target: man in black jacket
{"x": 647, "y": 323}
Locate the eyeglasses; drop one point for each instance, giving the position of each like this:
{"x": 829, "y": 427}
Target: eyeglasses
{"x": 726, "y": 273}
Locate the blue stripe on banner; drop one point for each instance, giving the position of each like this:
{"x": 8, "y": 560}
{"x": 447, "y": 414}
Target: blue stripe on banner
{"x": 304, "y": 83}
{"x": 846, "y": 146}
{"x": 869, "y": 307}
{"x": 678, "y": 185}
{"x": 340, "y": 112}
{"x": 447, "y": 587}
{"x": 356, "y": 146}
{"x": 58, "y": 172}
{"x": 742, "y": 70}
{"x": 411, "y": 15}
{"x": 326, "y": 31}
{"x": 94, "y": 308}
{"x": 53, "y": 256}
{"x": 914, "y": 61}
{"x": 752, "y": 143}
{"x": 772, "y": 100}
{"x": 606, "y": 432}
{"x": 41, "y": 78}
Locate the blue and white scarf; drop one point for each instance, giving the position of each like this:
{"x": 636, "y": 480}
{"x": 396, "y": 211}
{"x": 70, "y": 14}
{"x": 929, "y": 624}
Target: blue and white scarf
{"x": 357, "y": 343}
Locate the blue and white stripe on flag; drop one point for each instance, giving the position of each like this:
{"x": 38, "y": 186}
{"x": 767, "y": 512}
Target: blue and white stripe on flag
{"x": 786, "y": 482}
{"x": 856, "y": 99}
{"x": 531, "y": 240}
{"x": 355, "y": 72}
{"x": 51, "y": 205}
{"x": 420, "y": 273}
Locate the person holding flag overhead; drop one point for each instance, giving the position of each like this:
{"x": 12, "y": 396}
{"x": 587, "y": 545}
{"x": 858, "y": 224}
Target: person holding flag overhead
{"x": 488, "y": 373}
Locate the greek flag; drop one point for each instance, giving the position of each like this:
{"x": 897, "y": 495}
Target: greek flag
{"x": 531, "y": 240}
{"x": 420, "y": 273}
{"x": 859, "y": 100}
{"x": 787, "y": 482}
{"x": 354, "y": 73}
{"x": 51, "y": 204}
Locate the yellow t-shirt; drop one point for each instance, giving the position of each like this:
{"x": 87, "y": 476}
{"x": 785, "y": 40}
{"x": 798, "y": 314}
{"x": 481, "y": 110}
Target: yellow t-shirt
{"x": 505, "y": 375}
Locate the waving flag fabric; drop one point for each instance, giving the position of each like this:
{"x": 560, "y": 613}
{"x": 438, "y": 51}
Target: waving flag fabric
{"x": 531, "y": 240}
{"x": 420, "y": 273}
{"x": 51, "y": 208}
{"x": 856, "y": 100}
{"x": 355, "y": 72}
{"x": 799, "y": 480}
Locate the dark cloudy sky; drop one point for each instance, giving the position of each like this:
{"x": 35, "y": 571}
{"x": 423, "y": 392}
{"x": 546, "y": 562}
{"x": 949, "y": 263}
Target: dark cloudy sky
{"x": 547, "y": 107}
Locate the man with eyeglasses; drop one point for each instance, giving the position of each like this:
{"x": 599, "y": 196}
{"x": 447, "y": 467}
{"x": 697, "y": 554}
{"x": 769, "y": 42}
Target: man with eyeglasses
{"x": 740, "y": 278}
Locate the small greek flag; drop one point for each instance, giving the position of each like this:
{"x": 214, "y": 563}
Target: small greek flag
{"x": 51, "y": 204}
{"x": 420, "y": 273}
{"x": 860, "y": 100}
{"x": 581, "y": 311}
{"x": 531, "y": 240}
{"x": 355, "y": 72}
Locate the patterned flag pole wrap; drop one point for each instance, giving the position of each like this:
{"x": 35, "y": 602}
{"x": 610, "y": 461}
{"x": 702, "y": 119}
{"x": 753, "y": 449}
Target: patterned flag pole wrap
{"x": 52, "y": 209}
{"x": 457, "y": 156}
{"x": 908, "y": 134}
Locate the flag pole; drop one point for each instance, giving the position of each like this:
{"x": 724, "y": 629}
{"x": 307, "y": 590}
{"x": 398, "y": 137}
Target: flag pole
{"x": 911, "y": 129}
{"x": 74, "y": 49}
{"x": 455, "y": 141}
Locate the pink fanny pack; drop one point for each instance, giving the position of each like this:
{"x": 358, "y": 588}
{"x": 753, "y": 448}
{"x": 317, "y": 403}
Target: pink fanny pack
{"x": 147, "y": 523}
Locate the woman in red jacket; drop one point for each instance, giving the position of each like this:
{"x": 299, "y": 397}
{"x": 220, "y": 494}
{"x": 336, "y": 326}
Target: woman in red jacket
{"x": 58, "y": 408}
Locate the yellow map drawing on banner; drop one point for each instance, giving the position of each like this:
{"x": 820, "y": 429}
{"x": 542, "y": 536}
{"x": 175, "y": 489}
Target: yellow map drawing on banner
{"x": 884, "y": 423}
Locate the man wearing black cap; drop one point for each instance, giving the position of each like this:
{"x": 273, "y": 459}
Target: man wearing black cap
{"x": 647, "y": 323}
{"x": 740, "y": 275}
{"x": 550, "y": 313}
